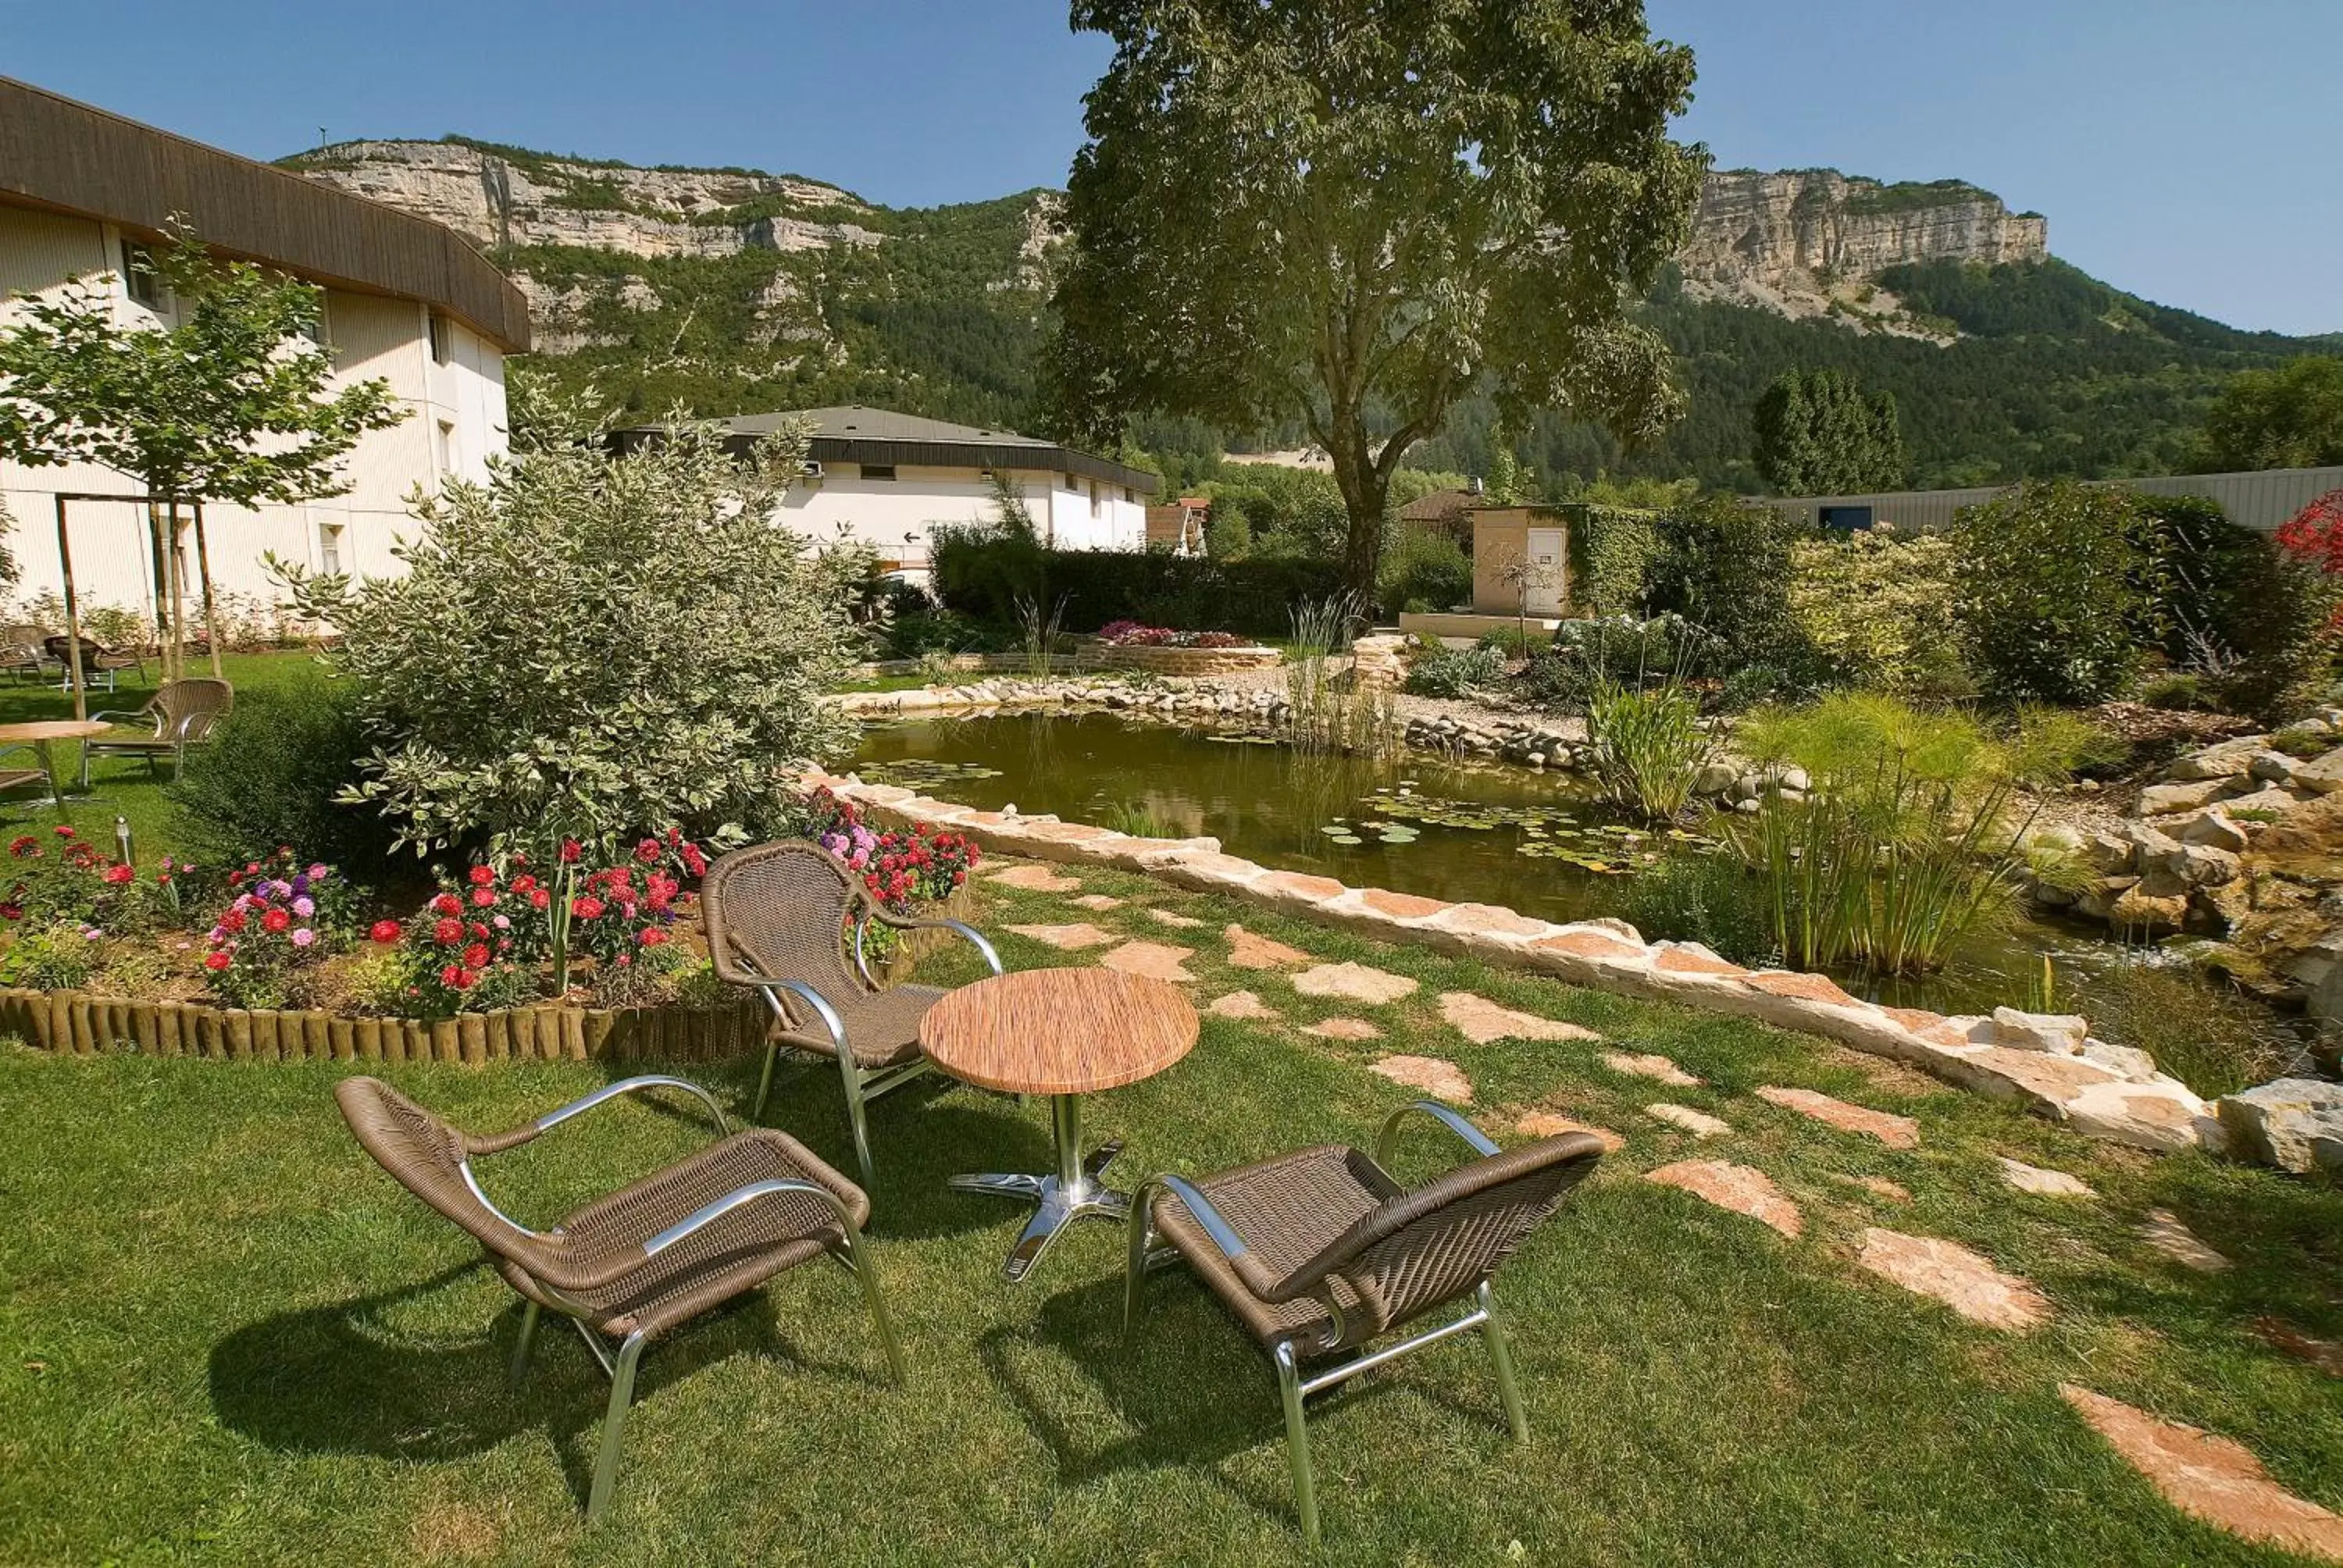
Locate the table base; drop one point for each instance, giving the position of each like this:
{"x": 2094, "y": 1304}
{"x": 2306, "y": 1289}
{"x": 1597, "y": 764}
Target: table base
{"x": 1074, "y": 1192}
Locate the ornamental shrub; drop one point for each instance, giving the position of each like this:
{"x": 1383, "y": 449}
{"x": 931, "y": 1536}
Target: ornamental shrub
{"x": 1875, "y": 609}
{"x": 264, "y": 949}
{"x": 1724, "y": 564}
{"x": 982, "y": 571}
{"x": 2251, "y": 616}
{"x": 1456, "y": 672}
{"x": 275, "y": 772}
{"x": 2057, "y": 588}
{"x": 1423, "y": 571}
{"x": 597, "y": 645}
{"x": 1611, "y": 553}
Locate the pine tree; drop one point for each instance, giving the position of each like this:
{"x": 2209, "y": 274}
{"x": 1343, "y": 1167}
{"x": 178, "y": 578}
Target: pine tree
{"x": 1817, "y": 435}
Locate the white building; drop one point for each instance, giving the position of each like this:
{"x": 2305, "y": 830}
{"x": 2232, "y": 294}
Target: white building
{"x": 889, "y": 480}
{"x": 407, "y": 301}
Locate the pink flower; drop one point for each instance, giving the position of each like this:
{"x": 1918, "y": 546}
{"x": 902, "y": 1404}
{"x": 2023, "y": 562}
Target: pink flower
{"x": 305, "y": 907}
{"x": 303, "y": 936}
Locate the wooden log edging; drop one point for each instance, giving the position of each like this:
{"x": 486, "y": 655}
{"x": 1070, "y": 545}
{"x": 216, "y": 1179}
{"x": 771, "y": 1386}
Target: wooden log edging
{"x": 76, "y": 1024}
{"x": 2106, "y": 1093}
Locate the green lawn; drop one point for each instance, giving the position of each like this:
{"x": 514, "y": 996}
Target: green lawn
{"x": 122, "y": 786}
{"x": 230, "y": 1339}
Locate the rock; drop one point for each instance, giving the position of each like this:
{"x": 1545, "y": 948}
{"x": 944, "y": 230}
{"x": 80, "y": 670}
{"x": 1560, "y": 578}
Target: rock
{"x": 2141, "y": 913}
{"x": 2210, "y": 1478}
{"x": 1877, "y": 1186}
{"x": 2135, "y": 1065}
{"x": 1547, "y": 1124}
{"x": 1354, "y": 982}
{"x": 1715, "y": 779}
{"x": 2046, "y": 1183}
{"x": 2326, "y": 1355}
{"x": 1699, "y": 1124}
{"x": 2272, "y": 800}
{"x": 2293, "y": 1123}
{"x": 1441, "y": 1080}
{"x": 1793, "y": 779}
{"x": 1738, "y": 1188}
{"x": 2164, "y": 799}
{"x": 1956, "y": 1276}
{"x": 2272, "y": 766}
{"x": 2323, "y": 775}
{"x": 1248, "y": 952}
{"x": 1895, "y": 1131}
{"x": 2229, "y": 760}
{"x": 2201, "y": 865}
{"x": 1066, "y": 938}
{"x": 1481, "y": 1020}
{"x": 1240, "y": 1004}
{"x": 2213, "y": 828}
{"x": 2057, "y": 837}
{"x": 1100, "y": 902}
{"x": 1034, "y": 879}
{"x": 1174, "y": 919}
{"x": 1344, "y": 1029}
{"x": 1648, "y": 1066}
{"x": 2165, "y": 1232}
{"x": 2061, "y": 1033}
{"x": 1150, "y": 961}
{"x": 2107, "y": 853}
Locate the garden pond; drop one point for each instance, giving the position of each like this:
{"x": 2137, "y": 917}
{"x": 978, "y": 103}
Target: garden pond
{"x": 1538, "y": 843}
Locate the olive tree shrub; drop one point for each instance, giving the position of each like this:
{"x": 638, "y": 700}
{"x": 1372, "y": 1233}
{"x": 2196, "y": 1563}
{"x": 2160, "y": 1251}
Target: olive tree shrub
{"x": 2058, "y": 587}
{"x": 594, "y": 645}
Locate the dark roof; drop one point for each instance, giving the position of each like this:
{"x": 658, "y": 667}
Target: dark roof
{"x": 854, "y": 433}
{"x": 1435, "y": 506}
{"x": 61, "y": 156}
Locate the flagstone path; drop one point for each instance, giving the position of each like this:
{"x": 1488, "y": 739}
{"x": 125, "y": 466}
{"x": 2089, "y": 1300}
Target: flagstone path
{"x": 1481, "y": 1020}
{"x": 1741, "y": 1189}
{"x": 1354, "y": 982}
{"x": 2047, "y": 1184}
{"x": 1441, "y": 1080}
{"x": 1100, "y": 902}
{"x": 1066, "y": 938}
{"x": 1551, "y": 1124}
{"x": 1956, "y": 1276}
{"x": 1240, "y": 1004}
{"x": 2212, "y": 1478}
{"x": 2165, "y": 1232}
{"x": 1895, "y": 1131}
{"x": 1248, "y": 952}
{"x": 1153, "y": 961}
{"x": 1699, "y": 1124}
{"x": 1034, "y": 878}
{"x": 1877, "y": 1186}
{"x": 1176, "y": 920}
{"x": 1648, "y": 1066}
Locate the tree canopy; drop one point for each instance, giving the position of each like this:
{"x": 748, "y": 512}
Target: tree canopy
{"x": 2289, "y": 417}
{"x": 1355, "y": 213}
{"x": 1817, "y": 435}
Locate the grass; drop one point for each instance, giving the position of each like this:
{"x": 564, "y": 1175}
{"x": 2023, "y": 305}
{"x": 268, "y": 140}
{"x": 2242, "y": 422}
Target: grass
{"x": 122, "y": 786}
{"x": 229, "y": 1339}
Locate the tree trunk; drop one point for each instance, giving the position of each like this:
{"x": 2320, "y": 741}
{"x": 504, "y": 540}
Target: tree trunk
{"x": 1365, "y": 488}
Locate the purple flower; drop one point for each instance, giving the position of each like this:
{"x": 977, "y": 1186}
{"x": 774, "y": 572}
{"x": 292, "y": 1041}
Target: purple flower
{"x": 300, "y": 884}
{"x": 303, "y": 936}
{"x": 304, "y": 908}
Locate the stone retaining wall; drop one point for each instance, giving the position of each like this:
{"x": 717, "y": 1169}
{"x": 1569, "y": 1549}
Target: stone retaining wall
{"x": 1158, "y": 660}
{"x": 2048, "y": 1063}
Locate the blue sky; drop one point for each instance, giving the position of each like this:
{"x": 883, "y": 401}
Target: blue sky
{"x": 2187, "y": 150}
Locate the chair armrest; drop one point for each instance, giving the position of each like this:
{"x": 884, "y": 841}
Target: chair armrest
{"x": 1474, "y": 1138}
{"x": 113, "y": 716}
{"x": 497, "y": 1143}
{"x": 806, "y": 993}
{"x": 897, "y": 922}
{"x": 708, "y": 1214}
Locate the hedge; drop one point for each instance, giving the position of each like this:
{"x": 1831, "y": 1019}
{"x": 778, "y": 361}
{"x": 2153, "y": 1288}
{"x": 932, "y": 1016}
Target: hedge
{"x": 982, "y": 574}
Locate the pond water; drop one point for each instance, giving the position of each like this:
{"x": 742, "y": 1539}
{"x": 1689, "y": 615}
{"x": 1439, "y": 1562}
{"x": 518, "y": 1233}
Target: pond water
{"x": 1540, "y": 843}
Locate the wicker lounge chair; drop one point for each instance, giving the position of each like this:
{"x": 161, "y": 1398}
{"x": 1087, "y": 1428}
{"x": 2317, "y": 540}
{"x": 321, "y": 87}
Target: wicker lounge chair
{"x": 22, "y": 653}
{"x": 1320, "y": 1252}
{"x": 182, "y": 713}
{"x": 14, "y": 778}
{"x": 778, "y": 919}
{"x": 648, "y": 1258}
{"x": 97, "y": 662}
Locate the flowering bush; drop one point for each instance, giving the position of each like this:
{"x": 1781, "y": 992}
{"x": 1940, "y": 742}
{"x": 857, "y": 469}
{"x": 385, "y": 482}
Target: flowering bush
{"x": 2315, "y": 534}
{"x": 61, "y": 877}
{"x": 901, "y": 870}
{"x": 1132, "y": 634}
{"x": 273, "y": 932}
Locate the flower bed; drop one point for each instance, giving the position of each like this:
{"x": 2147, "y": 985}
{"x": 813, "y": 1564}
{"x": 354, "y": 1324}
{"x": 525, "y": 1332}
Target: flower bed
{"x": 1132, "y": 634}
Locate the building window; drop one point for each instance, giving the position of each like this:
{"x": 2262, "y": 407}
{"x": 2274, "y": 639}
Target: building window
{"x": 138, "y": 279}
{"x": 878, "y": 470}
{"x": 1845, "y": 520}
{"x": 319, "y": 331}
{"x": 1071, "y": 484}
{"x": 1130, "y": 497}
{"x": 443, "y": 444}
{"x": 443, "y": 340}
{"x": 1097, "y": 497}
{"x": 329, "y": 548}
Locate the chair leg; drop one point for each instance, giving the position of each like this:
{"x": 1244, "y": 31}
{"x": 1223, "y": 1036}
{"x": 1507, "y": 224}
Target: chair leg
{"x": 523, "y": 1345}
{"x": 859, "y": 1262}
{"x": 614, "y": 1426}
{"x": 1297, "y": 1444}
{"x": 764, "y": 1082}
{"x": 1501, "y": 1361}
{"x": 856, "y": 1117}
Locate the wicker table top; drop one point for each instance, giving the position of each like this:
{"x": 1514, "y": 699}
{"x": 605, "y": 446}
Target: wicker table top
{"x": 1058, "y": 1031}
{"x": 53, "y": 729}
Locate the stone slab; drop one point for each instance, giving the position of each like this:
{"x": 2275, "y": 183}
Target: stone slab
{"x": 2212, "y": 1478}
{"x": 1741, "y": 1189}
{"x": 1895, "y": 1131}
{"x": 1441, "y": 1080}
{"x": 1951, "y": 1274}
{"x": 1481, "y": 1020}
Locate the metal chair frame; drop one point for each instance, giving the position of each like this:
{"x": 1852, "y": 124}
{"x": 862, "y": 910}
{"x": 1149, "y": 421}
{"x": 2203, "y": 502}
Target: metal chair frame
{"x": 618, "y": 1362}
{"x": 182, "y": 732}
{"x": 1293, "y": 1386}
{"x": 863, "y": 1085}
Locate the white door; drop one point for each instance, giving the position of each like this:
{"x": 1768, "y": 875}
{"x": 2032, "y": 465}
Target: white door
{"x": 1544, "y": 589}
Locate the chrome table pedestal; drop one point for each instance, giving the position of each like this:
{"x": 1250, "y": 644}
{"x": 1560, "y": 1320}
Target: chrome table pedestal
{"x": 1074, "y": 1192}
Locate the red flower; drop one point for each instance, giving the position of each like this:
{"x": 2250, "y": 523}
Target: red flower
{"x": 452, "y": 975}
{"x": 467, "y": 979}
{"x": 482, "y": 877}
{"x": 570, "y": 850}
{"x": 63, "y": 831}
{"x": 586, "y": 907}
{"x": 277, "y": 920}
{"x": 675, "y": 835}
{"x": 648, "y": 851}
{"x": 483, "y": 897}
{"x": 217, "y": 960}
{"x": 385, "y": 931}
{"x": 232, "y": 921}
{"x": 449, "y": 904}
{"x": 694, "y": 861}
{"x": 523, "y": 883}
{"x": 477, "y": 928}
{"x": 538, "y": 898}
{"x": 476, "y": 957}
{"x": 23, "y": 844}
{"x": 118, "y": 875}
{"x": 654, "y": 938}
{"x": 446, "y": 931}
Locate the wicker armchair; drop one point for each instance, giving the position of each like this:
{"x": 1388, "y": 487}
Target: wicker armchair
{"x": 648, "y": 1258}
{"x": 182, "y": 713}
{"x": 778, "y": 918}
{"x": 97, "y": 662}
{"x": 1321, "y": 1252}
{"x": 22, "y": 653}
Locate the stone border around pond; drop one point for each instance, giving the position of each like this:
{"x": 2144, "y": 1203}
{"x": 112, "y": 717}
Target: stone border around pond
{"x": 77, "y": 1023}
{"x": 2048, "y": 1063}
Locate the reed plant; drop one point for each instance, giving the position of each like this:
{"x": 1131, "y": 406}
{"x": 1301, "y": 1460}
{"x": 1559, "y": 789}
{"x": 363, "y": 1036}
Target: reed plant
{"x": 1324, "y": 712}
{"x": 1649, "y": 746}
{"x": 1037, "y": 632}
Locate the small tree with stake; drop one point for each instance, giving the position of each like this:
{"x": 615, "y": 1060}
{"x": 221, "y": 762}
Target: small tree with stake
{"x": 229, "y": 403}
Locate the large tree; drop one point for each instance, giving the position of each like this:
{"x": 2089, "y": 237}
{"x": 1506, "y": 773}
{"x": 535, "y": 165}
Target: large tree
{"x": 1817, "y": 435}
{"x": 230, "y": 401}
{"x": 2288, "y": 417}
{"x": 1351, "y": 213}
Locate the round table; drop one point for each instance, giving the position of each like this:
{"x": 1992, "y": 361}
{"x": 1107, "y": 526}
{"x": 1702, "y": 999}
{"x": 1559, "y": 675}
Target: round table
{"x": 1064, "y": 1033}
{"x": 40, "y": 734}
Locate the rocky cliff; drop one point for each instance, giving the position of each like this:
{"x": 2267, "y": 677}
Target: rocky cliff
{"x": 1804, "y": 243}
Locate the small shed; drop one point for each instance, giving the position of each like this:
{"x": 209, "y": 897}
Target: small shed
{"x": 1521, "y": 569}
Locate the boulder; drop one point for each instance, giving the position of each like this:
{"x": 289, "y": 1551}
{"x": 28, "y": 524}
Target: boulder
{"x": 2166, "y": 800}
{"x": 2229, "y": 760}
{"x": 2321, "y": 776}
{"x": 2274, "y": 799}
{"x": 2107, "y": 853}
{"x": 2063, "y": 1033}
{"x": 2293, "y": 1123}
{"x": 2096, "y": 900}
{"x": 2272, "y": 766}
{"x": 2151, "y": 907}
{"x": 2198, "y": 865}
{"x": 2135, "y": 1065}
{"x": 2213, "y": 828}
{"x": 1715, "y": 779}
